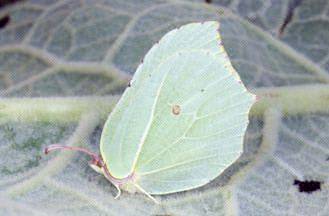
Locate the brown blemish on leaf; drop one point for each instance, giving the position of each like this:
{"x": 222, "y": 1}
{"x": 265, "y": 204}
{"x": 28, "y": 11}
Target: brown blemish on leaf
{"x": 176, "y": 109}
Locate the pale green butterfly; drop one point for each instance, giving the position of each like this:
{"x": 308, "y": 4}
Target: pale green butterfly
{"x": 181, "y": 121}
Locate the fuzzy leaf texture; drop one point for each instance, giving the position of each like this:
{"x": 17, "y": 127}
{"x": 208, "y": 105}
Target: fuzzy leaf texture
{"x": 64, "y": 64}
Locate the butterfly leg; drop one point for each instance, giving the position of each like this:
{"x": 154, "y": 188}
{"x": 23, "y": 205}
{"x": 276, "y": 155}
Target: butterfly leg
{"x": 147, "y": 194}
{"x": 109, "y": 177}
{"x": 119, "y": 191}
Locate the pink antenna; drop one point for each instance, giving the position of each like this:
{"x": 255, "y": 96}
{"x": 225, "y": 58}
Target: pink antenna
{"x": 96, "y": 159}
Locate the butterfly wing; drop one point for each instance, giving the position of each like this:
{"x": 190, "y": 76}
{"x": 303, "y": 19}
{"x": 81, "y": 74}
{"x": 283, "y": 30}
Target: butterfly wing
{"x": 182, "y": 121}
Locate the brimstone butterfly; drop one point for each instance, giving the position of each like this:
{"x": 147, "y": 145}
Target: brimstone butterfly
{"x": 182, "y": 119}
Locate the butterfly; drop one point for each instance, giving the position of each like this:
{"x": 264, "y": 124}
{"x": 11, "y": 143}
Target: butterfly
{"x": 181, "y": 121}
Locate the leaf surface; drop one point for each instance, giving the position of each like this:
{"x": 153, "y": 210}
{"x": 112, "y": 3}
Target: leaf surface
{"x": 49, "y": 46}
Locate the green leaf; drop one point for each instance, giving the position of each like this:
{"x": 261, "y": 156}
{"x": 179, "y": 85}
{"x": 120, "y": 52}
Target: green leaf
{"x": 90, "y": 49}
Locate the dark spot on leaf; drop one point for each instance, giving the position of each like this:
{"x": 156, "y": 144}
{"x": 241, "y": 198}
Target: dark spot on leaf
{"x": 176, "y": 109}
{"x": 290, "y": 13}
{"x": 208, "y": 1}
{"x": 202, "y": 90}
{"x": 4, "y": 21}
{"x": 308, "y": 186}
{"x": 327, "y": 158}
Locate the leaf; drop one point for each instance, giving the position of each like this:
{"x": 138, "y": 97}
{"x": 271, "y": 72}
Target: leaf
{"x": 90, "y": 49}
{"x": 308, "y": 17}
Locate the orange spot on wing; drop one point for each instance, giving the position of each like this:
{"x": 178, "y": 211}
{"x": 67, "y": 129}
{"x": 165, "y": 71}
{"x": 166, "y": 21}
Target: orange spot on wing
{"x": 176, "y": 109}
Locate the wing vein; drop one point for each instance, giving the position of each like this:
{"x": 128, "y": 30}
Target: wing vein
{"x": 186, "y": 138}
{"x": 149, "y": 123}
{"x": 224, "y": 109}
{"x": 177, "y": 165}
{"x": 206, "y": 87}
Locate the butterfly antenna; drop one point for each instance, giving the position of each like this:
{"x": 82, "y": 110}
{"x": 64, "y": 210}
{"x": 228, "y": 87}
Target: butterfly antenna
{"x": 96, "y": 159}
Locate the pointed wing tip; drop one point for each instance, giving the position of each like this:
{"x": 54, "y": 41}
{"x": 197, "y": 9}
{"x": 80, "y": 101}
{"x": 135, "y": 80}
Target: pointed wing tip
{"x": 216, "y": 25}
